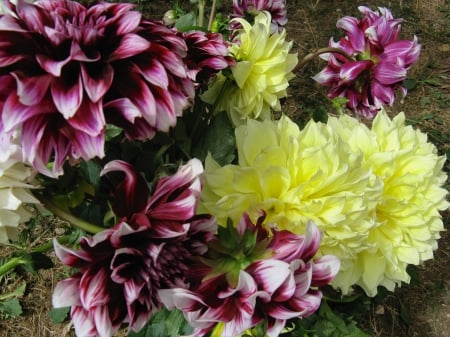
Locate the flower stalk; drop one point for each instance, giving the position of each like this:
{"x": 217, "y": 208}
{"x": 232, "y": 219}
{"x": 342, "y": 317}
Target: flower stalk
{"x": 15, "y": 262}
{"x": 201, "y": 12}
{"x": 65, "y": 215}
{"x": 212, "y": 14}
{"x": 321, "y": 51}
{"x": 11, "y": 264}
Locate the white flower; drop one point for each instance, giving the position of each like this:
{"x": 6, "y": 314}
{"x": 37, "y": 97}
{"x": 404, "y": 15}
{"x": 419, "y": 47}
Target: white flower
{"x": 14, "y": 189}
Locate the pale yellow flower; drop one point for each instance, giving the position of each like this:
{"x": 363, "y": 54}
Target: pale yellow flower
{"x": 375, "y": 193}
{"x": 407, "y": 216}
{"x": 261, "y": 74}
{"x": 296, "y": 176}
{"x": 14, "y": 191}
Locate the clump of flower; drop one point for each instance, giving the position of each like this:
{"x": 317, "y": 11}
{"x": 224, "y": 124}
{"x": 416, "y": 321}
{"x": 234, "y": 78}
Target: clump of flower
{"x": 14, "y": 189}
{"x": 253, "y": 87}
{"x": 250, "y": 8}
{"x": 407, "y": 214}
{"x": 295, "y": 176}
{"x": 249, "y": 277}
{"x": 66, "y": 70}
{"x": 376, "y": 64}
{"x": 122, "y": 268}
{"x": 375, "y": 193}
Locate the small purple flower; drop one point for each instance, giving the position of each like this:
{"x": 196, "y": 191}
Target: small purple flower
{"x": 379, "y": 62}
{"x": 246, "y": 8}
{"x": 121, "y": 269}
{"x": 269, "y": 278}
{"x": 70, "y": 69}
{"x": 207, "y": 54}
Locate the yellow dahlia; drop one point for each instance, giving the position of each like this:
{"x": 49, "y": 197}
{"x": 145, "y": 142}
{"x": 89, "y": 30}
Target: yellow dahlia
{"x": 295, "y": 176}
{"x": 261, "y": 74}
{"x": 408, "y": 221}
{"x": 14, "y": 190}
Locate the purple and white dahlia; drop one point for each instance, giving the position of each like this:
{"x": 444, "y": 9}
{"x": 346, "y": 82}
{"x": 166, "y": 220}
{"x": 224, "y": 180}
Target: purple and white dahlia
{"x": 66, "y": 70}
{"x": 259, "y": 278}
{"x": 207, "y": 54}
{"x": 246, "y": 8}
{"x": 121, "y": 269}
{"x": 378, "y": 65}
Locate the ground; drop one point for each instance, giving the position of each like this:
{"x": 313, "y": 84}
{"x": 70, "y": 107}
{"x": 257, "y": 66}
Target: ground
{"x": 420, "y": 309}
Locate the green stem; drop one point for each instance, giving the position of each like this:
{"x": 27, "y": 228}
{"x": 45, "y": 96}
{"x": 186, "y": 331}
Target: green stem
{"x": 65, "y": 215}
{"x": 320, "y": 51}
{"x": 201, "y": 12}
{"x": 212, "y": 14}
{"x": 11, "y": 265}
{"x": 49, "y": 245}
{"x": 14, "y": 262}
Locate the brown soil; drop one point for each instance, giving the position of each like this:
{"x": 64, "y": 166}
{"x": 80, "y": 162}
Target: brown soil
{"x": 420, "y": 309}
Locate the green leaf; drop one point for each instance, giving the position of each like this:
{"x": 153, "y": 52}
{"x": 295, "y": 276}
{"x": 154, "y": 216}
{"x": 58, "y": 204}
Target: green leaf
{"x": 11, "y": 308}
{"x": 331, "y": 325}
{"x": 176, "y": 324}
{"x": 164, "y": 323}
{"x": 186, "y": 20}
{"x": 91, "y": 170}
{"x": 36, "y": 261}
{"x": 404, "y": 314}
{"x": 320, "y": 114}
{"x": 183, "y": 141}
{"x": 433, "y": 81}
{"x": 219, "y": 140}
{"x": 409, "y": 83}
{"x": 326, "y": 323}
{"x": 16, "y": 293}
{"x": 58, "y": 315}
{"x": 112, "y": 131}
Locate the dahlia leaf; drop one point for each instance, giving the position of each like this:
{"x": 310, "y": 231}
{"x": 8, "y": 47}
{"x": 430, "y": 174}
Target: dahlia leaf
{"x": 19, "y": 292}
{"x": 91, "y": 170}
{"x": 58, "y": 315}
{"x": 186, "y": 21}
{"x": 164, "y": 323}
{"x": 219, "y": 140}
{"x": 11, "y": 308}
{"x": 36, "y": 261}
{"x": 332, "y": 325}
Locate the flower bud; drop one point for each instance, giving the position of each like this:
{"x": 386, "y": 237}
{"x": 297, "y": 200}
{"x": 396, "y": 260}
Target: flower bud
{"x": 170, "y": 17}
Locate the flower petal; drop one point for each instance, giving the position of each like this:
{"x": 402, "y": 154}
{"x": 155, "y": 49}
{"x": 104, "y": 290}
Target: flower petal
{"x": 131, "y": 195}
{"x": 66, "y": 293}
{"x": 67, "y": 95}
{"x": 324, "y": 270}
{"x": 352, "y": 69}
{"x": 31, "y": 90}
{"x": 129, "y": 45}
{"x": 97, "y": 80}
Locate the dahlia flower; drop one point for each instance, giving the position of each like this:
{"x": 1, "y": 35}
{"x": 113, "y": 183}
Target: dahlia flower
{"x": 378, "y": 65}
{"x": 276, "y": 8}
{"x": 121, "y": 269}
{"x": 207, "y": 54}
{"x": 254, "y": 279}
{"x": 296, "y": 176}
{"x": 260, "y": 76}
{"x": 407, "y": 215}
{"x": 67, "y": 70}
{"x": 14, "y": 189}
